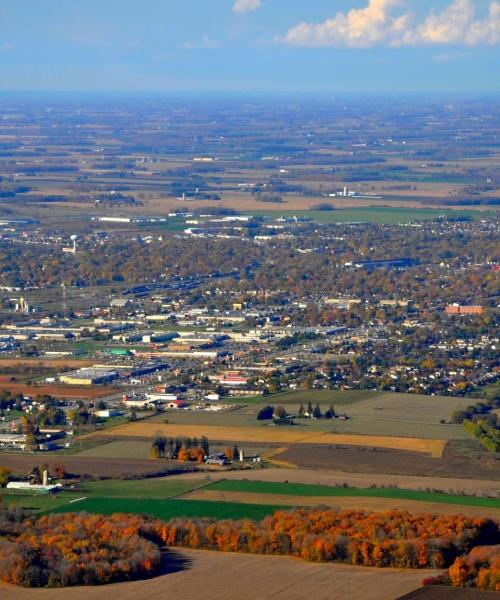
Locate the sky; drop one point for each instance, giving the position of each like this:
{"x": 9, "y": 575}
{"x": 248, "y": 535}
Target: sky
{"x": 250, "y": 46}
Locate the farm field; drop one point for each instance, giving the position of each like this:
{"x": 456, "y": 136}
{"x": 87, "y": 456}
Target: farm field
{"x": 334, "y": 478}
{"x": 301, "y": 490}
{"x": 343, "y": 502}
{"x": 55, "y": 363}
{"x": 438, "y": 592}
{"x": 212, "y": 494}
{"x": 141, "y": 449}
{"x": 21, "y": 464}
{"x": 59, "y": 391}
{"x": 370, "y": 413}
{"x": 269, "y": 434}
{"x": 216, "y": 576}
{"x": 389, "y": 461}
{"x": 373, "y": 214}
{"x": 118, "y": 449}
{"x": 166, "y": 509}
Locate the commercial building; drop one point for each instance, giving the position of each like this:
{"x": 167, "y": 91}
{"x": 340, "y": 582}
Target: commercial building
{"x": 456, "y": 309}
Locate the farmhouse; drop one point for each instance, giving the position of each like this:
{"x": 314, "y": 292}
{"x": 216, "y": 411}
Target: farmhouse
{"x": 27, "y": 487}
{"x": 12, "y": 440}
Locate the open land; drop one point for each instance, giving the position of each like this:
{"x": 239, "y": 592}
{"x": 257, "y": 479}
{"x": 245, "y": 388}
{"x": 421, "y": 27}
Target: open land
{"x": 273, "y": 435}
{"x": 219, "y": 576}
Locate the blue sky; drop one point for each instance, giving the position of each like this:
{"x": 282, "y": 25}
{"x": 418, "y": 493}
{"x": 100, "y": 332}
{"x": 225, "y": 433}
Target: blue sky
{"x": 250, "y": 45}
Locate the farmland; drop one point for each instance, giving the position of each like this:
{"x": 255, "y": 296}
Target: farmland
{"x": 370, "y": 413}
{"x": 374, "y": 214}
{"x": 215, "y": 576}
{"x": 272, "y": 435}
{"x": 59, "y": 390}
{"x": 366, "y": 460}
{"x": 242, "y": 494}
{"x": 171, "y": 508}
{"x": 298, "y": 489}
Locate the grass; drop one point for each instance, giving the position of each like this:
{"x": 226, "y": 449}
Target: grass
{"x": 305, "y": 490}
{"x": 170, "y": 508}
{"x": 370, "y": 413}
{"x": 144, "y": 489}
{"x": 375, "y": 214}
{"x": 324, "y": 397}
{"x": 149, "y": 488}
{"x": 269, "y": 434}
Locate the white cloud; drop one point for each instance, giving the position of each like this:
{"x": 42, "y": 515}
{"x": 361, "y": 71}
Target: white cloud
{"x": 246, "y": 5}
{"x": 386, "y": 22}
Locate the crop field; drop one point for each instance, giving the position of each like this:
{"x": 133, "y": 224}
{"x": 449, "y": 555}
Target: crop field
{"x": 301, "y": 490}
{"x": 216, "y": 576}
{"x": 342, "y": 457}
{"x": 367, "y": 503}
{"x": 96, "y": 466}
{"x": 50, "y": 363}
{"x": 332, "y": 478}
{"x": 59, "y": 391}
{"x": 374, "y": 214}
{"x": 118, "y": 449}
{"x": 166, "y": 509}
{"x": 369, "y": 412}
{"x": 200, "y": 496}
{"x": 278, "y": 435}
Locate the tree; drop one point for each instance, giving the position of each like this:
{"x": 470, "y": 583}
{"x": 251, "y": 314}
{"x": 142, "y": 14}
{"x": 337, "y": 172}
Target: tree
{"x": 36, "y": 475}
{"x": 184, "y": 454}
{"x": 4, "y": 476}
{"x": 160, "y": 441}
{"x": 317, "y": 414}
{"x": 236, "y": 452}
{"x": 330, "y": 413}
{"x": 279, "y": 413}
{"x": 59, "y": 471}
{"x": 265, "y": 413}
{"x": 154, "y": 452}
{"x": 205, "y": 445}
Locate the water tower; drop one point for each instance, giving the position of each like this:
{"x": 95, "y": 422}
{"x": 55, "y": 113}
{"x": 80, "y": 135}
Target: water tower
{"x": 73, "y": 238}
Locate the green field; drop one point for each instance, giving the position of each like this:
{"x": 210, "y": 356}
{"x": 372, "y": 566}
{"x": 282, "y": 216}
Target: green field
{"x": 170, "y": 508}
{"x": 305, "y": 490}
{"x": 376, "y": 214}
{"x": 370, "y": 413}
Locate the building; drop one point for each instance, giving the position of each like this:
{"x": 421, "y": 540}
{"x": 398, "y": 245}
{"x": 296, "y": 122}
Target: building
{"x": 457, "y": 309}
{"x": 36, "y": 489}
{"x": 12, "y": 440}
{"x": 88, "y": 377}
{"x": 232, "y": 378}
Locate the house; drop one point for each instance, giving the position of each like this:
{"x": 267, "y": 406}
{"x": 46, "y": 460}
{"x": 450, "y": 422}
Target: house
{"x": 217, "y": 459}
{"x": 174, "y": 404}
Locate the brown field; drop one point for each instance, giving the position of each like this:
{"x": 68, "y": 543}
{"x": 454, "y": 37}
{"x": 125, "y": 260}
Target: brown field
{"x": 56, "y": 363}
{"x": 390, "y": 461}
{"x": 438, "y": 592}
{"x": 20, "y": 464}
{"x": 376, "y": 504}
{"x": 364, "y": 480}
{"x": 332, "y": 478}
{"x": 224, "y": 576}
{"x": 272, "y": 435}
{"x": 59, "y": 391}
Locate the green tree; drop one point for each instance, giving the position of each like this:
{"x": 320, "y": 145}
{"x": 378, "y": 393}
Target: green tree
{"x": 317, "y": 414}
{"x": 4, "y": 476}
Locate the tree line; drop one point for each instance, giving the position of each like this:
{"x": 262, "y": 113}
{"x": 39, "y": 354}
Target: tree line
{"x": 390, "y": 539}
{"x": 72, "y": 549}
